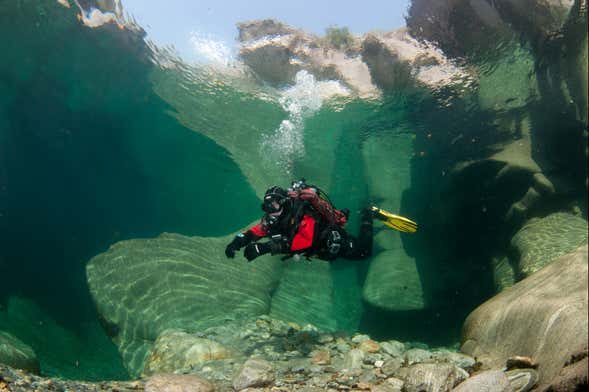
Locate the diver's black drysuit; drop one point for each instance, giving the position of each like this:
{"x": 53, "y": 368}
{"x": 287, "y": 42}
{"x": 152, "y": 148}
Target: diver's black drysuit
{"x": 301, "y": 230}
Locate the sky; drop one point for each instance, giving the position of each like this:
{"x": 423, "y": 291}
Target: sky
{"x": 178, "y": 22}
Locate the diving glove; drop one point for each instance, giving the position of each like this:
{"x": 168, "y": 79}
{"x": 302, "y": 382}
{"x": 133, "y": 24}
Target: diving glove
{"x": 256, "y": 249}
{"x": 277, "y": 244}
{"x": 238, "y": 242}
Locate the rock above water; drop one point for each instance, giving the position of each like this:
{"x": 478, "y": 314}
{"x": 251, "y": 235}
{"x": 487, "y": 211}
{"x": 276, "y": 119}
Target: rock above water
{"x": 544, "y": 317}
{"x": 17, "y": 354}
{"x": 396, "y": 60}
{"x": 177, "y": 383}
{"x": 464, "y": 26}
{"x": 254, "y": 30}
{"x": 276, "y": 52}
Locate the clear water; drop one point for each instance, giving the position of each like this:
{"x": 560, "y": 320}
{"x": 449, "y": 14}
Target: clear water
{"x": 102, "y": 140}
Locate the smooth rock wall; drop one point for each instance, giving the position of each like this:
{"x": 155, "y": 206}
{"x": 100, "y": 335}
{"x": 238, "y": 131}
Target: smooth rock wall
{"x": 393, "y": 281}
{"x": 543, "y": 317}
{"x": 541, "y": 241}
{"x": 16, "y": 354}
{"x": 305, "y": 294}
{"x": 142, "y": 287}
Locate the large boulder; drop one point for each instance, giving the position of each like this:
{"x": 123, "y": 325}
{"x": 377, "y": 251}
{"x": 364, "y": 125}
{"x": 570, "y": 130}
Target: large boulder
{"x": 540, "y": 241}
{"x": 544, "y": 317}
{"x": 142, "y": 287}
{"x": 393, "y": 281}
{"x": 176, "y": 350}
{"x": 305, "y": 295}
{"x": 15, "y": 353}
{"x": 511, "y": 162}
{"x": 258, "y": 29}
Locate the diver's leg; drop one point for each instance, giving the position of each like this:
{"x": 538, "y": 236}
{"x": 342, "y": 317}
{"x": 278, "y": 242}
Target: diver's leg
{"x": 359, "y": 248}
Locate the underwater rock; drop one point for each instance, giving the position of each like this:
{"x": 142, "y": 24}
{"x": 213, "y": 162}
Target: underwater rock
{"x": 391, "y": 366}
{"x": 541, "y": 241}
{"x": 393, "y": 281}
{"x": 432, "y": 377}
{"x": 543, "y": 316}
{"x": 575, "y": 64}
{"x": 272, "y": 359}
{"x": 142, "y": 287}
{"x": 176, "y": 350}
{"x": 509, "y": 84}
{"x": 522, "y": 380}
{"x": 305, "y": 295}
{"x": 177, "y": 383}
{"x": 254, "y": 373}
{"x": 59, "y": 349}
{"x": 503, "y": 273}
{"x": 15, "y": 380}
{"x": 463, "y": 361}
{"x": 353, "y": 359}
{"x": 487, "y": 381}
{"x": 388, "y": 174}
{"x": 417, "y": 355}
{"x": 369, "y": 346}
{"x": 393, "y": 348}
{"x": 16, "y": 354}
{"x": 513, "y": 161}
{"x": 573, "y": 377}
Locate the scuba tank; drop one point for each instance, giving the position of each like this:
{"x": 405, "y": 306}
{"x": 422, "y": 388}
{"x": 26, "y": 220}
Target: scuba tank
{"x": 319, "y": 201}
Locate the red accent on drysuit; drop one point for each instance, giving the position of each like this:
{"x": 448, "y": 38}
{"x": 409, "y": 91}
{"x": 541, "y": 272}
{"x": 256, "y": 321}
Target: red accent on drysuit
{"x": 322, "y": 206}
{"x": 258, "y": 230}
{"x": 304, "y": 237}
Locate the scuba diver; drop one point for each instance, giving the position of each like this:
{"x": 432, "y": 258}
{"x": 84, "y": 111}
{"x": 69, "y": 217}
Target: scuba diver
{"x": 302, "y": 221}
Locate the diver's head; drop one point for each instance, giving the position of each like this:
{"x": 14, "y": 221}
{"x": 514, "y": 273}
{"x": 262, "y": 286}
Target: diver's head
{"x": 275, "y": 201}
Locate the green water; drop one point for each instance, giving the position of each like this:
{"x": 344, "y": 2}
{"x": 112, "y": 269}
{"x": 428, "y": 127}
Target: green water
{"x": 98, "y": 145}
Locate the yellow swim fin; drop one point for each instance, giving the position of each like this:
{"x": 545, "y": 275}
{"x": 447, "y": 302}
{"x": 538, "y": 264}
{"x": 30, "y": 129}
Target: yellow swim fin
{"x": 393, "y": 221}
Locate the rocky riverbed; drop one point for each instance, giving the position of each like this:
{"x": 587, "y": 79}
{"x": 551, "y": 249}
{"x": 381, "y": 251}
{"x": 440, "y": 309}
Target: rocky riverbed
{"x": 266, "y": 354}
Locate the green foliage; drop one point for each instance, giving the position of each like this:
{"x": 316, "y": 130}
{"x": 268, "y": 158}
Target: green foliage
{"x": 338, "y": 37}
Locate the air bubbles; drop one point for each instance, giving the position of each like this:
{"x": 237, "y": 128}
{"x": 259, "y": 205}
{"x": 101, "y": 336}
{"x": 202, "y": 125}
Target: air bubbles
{"x": 300, "y": 101}
{"x": 210, "y": 50}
